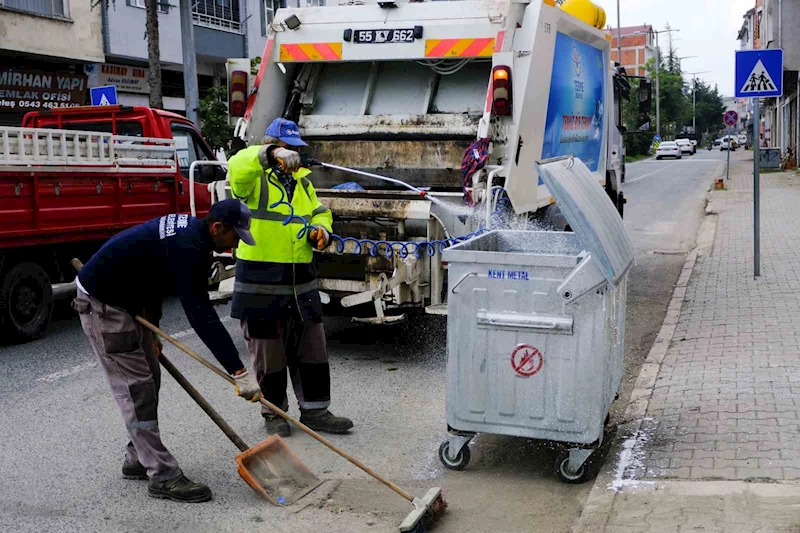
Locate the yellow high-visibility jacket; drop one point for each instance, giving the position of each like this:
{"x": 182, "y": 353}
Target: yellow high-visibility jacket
{"x": 260, "y": 189}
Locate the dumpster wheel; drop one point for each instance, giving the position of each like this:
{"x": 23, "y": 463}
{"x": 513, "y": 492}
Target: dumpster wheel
{"x": 581, "y": 475}
{"x": 460, "y": 462}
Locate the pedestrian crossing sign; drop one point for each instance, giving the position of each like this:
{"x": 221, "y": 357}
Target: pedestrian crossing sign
{"x": 759, "y": 73}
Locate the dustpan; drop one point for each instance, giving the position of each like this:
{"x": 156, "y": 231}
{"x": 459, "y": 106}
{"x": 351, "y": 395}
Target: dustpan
{"x": 274, "y": 471}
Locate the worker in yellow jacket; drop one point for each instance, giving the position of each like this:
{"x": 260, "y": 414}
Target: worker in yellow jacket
{"x": 276, "y": 294}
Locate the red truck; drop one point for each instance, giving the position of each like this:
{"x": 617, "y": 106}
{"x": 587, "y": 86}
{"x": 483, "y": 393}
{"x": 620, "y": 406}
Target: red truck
{"x": 70, "y": 179}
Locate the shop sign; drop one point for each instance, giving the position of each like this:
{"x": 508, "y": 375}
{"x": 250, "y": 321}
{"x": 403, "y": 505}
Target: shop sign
{"x": 126, "y": 78}
{"x": 36, "y": 89}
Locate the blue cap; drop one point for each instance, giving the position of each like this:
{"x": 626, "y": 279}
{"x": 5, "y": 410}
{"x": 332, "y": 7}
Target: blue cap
{"x": 286, "y": 131}
{"x": 234, "y": 213}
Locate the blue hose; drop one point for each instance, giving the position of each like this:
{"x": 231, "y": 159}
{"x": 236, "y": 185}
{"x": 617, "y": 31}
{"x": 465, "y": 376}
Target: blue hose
{"x": 404, "y": 248}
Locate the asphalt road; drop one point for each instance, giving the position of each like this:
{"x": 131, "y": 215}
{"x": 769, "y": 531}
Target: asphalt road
{"x": 62, "y": 438}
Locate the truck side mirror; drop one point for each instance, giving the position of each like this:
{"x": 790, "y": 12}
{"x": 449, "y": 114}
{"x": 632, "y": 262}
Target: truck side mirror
{"x": 645, "y": 96}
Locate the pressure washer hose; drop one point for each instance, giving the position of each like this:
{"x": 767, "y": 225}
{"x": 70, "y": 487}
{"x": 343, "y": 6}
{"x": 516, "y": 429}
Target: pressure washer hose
{"x": 404, "y": 248}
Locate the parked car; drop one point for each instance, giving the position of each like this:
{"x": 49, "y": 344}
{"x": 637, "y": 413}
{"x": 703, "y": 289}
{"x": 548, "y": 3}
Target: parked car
{"x": 686, "y": 146}
{"x": 742, "y": 141}
{"x": 728, "y": 143}
{"x": 717, "y": 142}
{"x": 669, "y": 149}
{"x": 694, "y": 142}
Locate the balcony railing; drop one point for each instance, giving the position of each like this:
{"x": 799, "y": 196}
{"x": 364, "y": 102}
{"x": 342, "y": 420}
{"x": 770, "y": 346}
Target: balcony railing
{"x": 217, "y": 23}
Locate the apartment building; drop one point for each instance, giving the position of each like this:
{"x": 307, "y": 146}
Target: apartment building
{"x": 43, "y": 47}
{"x": 638, "y": 46}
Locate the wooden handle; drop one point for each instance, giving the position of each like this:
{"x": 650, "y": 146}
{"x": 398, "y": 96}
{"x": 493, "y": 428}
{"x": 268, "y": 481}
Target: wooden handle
{"x": 204, "y": 405}
{"x": 305, "y": 429}
{"x": 76, "y": 264}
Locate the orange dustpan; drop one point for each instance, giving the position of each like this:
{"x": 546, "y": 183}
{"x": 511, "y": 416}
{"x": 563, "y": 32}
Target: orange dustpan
{"x": 270, "y": 468}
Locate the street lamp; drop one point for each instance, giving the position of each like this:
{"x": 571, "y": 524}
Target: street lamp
{"x": 658, "y": 77}
{"x": 694, "y": 97}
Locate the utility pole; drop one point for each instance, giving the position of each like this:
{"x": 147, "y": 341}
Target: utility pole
{"x": 190, "y": 90}
{"x": 658, "y": 76}
{"x": 619, "y": 37}
{"x": 694, "y": 97}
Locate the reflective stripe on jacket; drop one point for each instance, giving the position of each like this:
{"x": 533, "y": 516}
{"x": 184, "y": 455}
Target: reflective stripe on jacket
{"x": 260, "y": 189}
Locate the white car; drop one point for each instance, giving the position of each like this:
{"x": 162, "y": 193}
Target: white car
{"x": 742, "y": 141}
{"x": 669, "y": 149}
{"x": 686, "y": 146}
{"x": 728, "y": 143}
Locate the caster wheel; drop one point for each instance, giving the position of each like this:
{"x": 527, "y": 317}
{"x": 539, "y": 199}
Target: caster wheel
{"x": 566, "y": 475}
{"x": 461, "y": 461}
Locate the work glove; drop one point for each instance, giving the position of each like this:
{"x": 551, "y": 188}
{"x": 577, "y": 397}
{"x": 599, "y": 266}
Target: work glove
{"x": 247, "y": 387}
{"x": 287, "y": 159}
{"x": 319, "y": 237}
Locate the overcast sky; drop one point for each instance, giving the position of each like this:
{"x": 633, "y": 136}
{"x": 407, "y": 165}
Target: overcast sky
{"x": 708, "y": 31}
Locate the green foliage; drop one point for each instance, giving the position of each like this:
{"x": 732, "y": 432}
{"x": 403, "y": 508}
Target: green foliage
{"x": 213, "y": 112}
{"x": 255, "y": 63}
{"x": 676, "y": 107}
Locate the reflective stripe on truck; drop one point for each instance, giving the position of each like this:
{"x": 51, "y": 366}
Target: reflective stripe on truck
{"x": 311, "y": 52}
{"x": 459, "y": 47}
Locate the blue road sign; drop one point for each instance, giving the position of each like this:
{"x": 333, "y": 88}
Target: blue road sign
{"x": 759, "y": 73}
{"x": 106, "y": 95}
{"x": 730, "y": 118}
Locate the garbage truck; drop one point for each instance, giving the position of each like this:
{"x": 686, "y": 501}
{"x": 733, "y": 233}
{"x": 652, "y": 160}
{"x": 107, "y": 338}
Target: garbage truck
{"x": 457, "y": 99}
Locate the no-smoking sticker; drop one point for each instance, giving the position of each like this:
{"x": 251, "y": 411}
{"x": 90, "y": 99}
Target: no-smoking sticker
{"x": 526, "y": 360}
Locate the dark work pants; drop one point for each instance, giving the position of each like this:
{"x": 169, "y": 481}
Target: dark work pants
{"x": 284, "y": 344}
{"x": 128, "y": 356}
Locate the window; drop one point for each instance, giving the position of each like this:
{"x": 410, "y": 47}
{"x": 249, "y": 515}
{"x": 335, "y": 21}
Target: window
{"x": 163, "y": 5}
{"x": 50, "y": 8}
{"x": 268, "y": 9}
{"x": 128, "y": 127}
{"x": 189, "y": 149}
{"x": 217, "y": 14}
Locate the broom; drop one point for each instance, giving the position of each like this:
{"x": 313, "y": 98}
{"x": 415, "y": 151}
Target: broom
{"x": 427, "y": 509}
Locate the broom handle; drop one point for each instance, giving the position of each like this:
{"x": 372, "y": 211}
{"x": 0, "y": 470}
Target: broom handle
{"x": 204, "y": 405}
{"x": 308, "y": 431}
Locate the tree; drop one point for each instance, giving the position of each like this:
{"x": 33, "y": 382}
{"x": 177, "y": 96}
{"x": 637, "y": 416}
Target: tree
{"x": 154, "y": 54}
{"x": 153, "y": 50}
{"x": 213, "y": 112}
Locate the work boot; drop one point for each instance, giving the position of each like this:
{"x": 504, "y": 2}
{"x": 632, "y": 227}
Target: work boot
{"x": 133, "y": 470}
{"x": 179, "y": 489}
{"x": 323, "y": 420}
{"x": 277, "y": 426}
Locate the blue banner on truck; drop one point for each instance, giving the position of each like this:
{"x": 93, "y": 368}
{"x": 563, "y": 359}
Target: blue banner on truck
{"x": 576, "y": 107}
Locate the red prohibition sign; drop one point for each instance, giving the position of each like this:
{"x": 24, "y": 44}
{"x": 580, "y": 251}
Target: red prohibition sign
{"x": 526, "y": 360}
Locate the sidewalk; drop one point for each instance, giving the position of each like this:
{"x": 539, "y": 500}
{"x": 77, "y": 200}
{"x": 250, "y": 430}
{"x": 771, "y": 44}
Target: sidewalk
{"x": 712, "y": 438}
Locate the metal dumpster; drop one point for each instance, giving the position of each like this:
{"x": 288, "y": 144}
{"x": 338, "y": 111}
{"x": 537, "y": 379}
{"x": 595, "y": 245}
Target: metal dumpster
{"x": 536, "y": 326}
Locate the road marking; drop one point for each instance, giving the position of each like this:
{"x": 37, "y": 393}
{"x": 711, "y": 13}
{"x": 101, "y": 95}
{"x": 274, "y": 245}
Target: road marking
{"x": 650, "y": 174}
{"x": 190, "y": 331}
{"x": 55, "y": 376}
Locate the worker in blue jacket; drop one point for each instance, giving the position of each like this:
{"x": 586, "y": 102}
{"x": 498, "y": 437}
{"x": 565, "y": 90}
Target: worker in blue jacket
{"x": 131, "y": 275}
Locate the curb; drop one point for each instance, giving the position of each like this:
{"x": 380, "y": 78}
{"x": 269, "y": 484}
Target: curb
{"x": 600, "y": 502}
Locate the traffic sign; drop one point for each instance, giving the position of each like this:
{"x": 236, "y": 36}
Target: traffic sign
{"x": 106, "y": 95}
{"x": 759, "y": 73}
{"x": 730, "y": 118}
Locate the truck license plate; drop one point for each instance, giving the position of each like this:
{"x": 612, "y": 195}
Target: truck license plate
{"x": 383, "y": 36}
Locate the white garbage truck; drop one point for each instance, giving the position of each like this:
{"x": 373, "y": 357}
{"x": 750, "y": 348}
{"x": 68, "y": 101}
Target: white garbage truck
{"x": 457, "y": 99}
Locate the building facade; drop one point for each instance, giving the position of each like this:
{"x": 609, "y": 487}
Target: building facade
{"x": 43, "y": 47}
{"x": 638, "y": 47}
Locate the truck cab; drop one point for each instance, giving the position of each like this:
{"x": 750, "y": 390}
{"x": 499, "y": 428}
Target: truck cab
{"x": 71, "y": 178}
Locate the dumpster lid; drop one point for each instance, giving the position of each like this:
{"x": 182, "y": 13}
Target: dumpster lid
{"x": 590, "y": 213}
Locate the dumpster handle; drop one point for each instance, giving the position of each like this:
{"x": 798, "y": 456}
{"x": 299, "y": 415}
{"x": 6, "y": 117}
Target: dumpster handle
{"x": 464, "y": 277}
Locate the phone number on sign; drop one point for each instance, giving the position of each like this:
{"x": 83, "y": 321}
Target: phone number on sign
{"x": 34, "y": 104}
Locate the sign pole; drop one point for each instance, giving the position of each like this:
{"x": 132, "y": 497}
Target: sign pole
{"x": 728, "y": 164}
{"x": 756, "y": 193}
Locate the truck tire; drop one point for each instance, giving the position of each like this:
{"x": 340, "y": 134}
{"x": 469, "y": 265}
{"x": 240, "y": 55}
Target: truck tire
{"x": 26, "y": 301}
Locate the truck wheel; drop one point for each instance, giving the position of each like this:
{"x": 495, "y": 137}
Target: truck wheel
{"x": 26, "y": 301}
